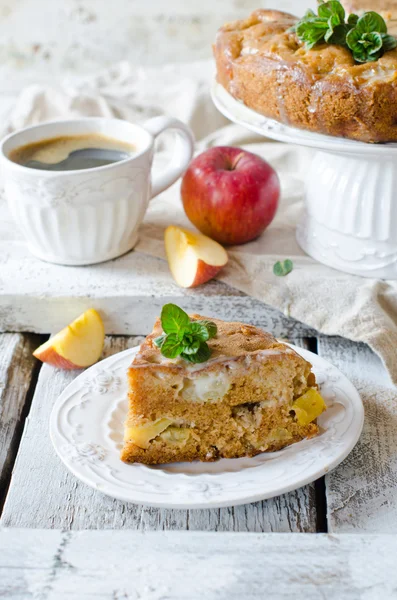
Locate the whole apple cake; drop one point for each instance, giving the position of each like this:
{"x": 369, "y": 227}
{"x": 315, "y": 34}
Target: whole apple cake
{"x": 244, "y": 393}
{"x": 319, "y": 86}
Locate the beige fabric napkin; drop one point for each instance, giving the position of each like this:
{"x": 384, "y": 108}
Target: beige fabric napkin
{"x": 332, "y": 302}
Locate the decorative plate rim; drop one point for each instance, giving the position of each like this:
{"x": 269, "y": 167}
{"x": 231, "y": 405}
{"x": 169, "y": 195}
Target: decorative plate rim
{"x": 239, "y": 113}
{"x": 84, "y": 431}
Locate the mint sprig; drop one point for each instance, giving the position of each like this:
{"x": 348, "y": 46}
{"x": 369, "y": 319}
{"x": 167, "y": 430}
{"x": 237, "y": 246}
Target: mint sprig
{"x": 183, "y": 337}
{"x": 366, "y": 37}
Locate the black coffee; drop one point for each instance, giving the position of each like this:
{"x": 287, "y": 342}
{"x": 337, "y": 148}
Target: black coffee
{"x": 70, "y": 153}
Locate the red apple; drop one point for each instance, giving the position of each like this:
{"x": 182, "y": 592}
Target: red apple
{"x": 230, "y": 195}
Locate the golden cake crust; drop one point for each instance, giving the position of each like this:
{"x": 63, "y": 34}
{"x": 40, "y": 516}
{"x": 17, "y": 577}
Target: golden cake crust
{"x": 263, "y": 64}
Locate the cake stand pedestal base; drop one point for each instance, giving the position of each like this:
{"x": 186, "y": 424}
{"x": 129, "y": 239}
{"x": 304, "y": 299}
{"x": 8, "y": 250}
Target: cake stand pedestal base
{"x": 350, "y": 220}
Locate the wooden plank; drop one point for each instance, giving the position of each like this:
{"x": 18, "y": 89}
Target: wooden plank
{"x": 361, "y": 492}
{"x": 293, "y": 512}
{"x": 175, "y": 566}
{"x": 44, "y": 494}
{"x": 16, "y": 371}
{"x": 128, "y": 292}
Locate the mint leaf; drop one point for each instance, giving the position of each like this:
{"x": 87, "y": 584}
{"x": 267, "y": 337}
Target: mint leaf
{"x": 359, "y": 55}
{"x": 211, "y": 328}
{"x": 171, "y": 347}
{"x": 338, "y": 37}
{"x": 282, "y": 268}
{"x": 311, "y": 31}
{"x": 353, "y": 38}
{"x": 202, "y": 354}
{"x": 364, "y": 56}
{"x": 200, "y": 331}
{"x": 332, "y": 9}
{"x": 330, "y": 31}
{"x": 174, "y": 319}
{"x": 191, "y": 348}
{"x": 187, "y": 339}
{"x": 371, "y": 21}
{"x": 372, "y": 42}
{"x": 311, "y": 36}
{"x": 159, "y": 340}
{"x": 388, "y": 42}
{"x": 352, "y": 20}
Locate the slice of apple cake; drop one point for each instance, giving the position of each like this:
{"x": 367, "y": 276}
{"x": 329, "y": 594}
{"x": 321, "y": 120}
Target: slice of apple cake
{"x": 203, "y": 389}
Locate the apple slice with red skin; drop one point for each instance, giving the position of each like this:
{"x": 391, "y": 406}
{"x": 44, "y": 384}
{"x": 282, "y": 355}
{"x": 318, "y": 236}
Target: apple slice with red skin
{"x": 193, "y": 258}
{"x": 78, "y": 345}
{"x": 230, "y": 194}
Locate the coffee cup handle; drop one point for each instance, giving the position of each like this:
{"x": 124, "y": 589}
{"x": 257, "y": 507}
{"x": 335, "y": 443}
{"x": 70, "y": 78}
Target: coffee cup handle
{"x": 183, "y": 151}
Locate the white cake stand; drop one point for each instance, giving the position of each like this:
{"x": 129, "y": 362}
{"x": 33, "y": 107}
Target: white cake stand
{"x": 350, "y": 221}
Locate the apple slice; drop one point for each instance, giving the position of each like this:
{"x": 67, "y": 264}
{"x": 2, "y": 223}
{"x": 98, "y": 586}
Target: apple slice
{"x": 192, "y": 257}
{"x": 77, "y": 346}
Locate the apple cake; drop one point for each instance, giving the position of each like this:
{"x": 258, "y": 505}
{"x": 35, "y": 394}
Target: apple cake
{"x": 253, "y": 394}
{"x": 262, "y": 62}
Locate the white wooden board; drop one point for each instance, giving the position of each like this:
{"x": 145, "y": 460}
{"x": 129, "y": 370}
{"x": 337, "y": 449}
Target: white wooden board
{"x": 129, "y": 293}
{"x": 55, "y": 565}
{"x": 362, "y": 491}
{"x": 44, "y": 494}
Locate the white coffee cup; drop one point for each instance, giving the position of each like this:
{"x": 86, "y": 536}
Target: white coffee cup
{"x": 88, "y": 216}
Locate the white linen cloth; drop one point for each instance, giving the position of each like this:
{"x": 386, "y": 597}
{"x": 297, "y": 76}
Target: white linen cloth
{"x": 331, "y": 302}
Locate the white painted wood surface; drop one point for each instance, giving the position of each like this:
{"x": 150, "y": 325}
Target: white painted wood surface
{"x": 362, "y": 491}
{"x": 55, "y": 565}
{"x": 44, "y": 494}
{"x": 16, "y": 372}
{"x": 128, "y": 292}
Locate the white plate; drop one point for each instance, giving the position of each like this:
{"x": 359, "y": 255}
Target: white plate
{"x": 237, "y": 112}
{"x": 86, "y": 428}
